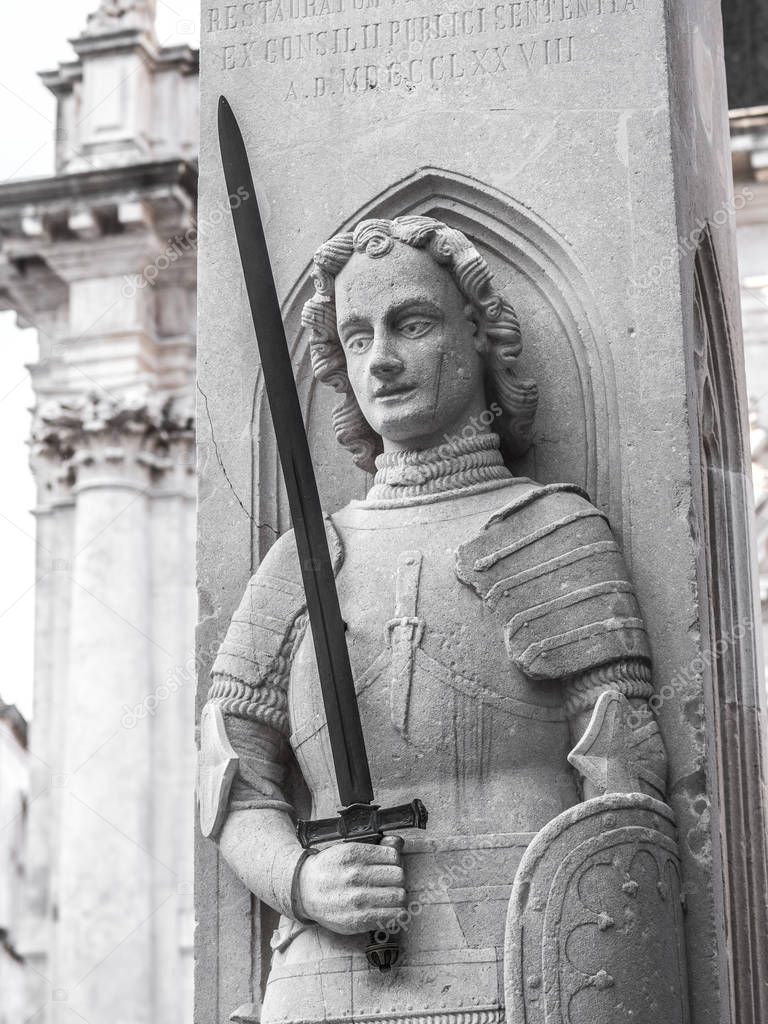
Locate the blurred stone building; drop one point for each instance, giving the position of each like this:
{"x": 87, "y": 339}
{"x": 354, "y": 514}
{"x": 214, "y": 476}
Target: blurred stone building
{"x": 99, "y": 258}
{"x": 14, "y": 795}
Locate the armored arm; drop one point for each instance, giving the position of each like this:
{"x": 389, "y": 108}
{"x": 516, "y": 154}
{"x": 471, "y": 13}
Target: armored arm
{"x": 245, "y": 724}
{"x": 244, "y": 765}
{"x": 548, "y": 564}
{"x": 644, "y": 746}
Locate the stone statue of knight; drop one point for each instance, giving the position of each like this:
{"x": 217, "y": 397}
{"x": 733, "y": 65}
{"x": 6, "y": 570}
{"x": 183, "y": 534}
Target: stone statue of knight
{"x": 502, "y": 670}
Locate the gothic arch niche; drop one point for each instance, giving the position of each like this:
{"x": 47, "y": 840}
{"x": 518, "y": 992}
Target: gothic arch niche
{"x": 736, "y": 676}
{"x": 565, "y": 351}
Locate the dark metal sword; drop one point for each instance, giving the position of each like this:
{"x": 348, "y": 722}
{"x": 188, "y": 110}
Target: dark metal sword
{"x": 359, "y": 818}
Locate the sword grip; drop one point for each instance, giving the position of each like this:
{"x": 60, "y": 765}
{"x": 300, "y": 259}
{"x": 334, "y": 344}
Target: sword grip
{"x": 383, "y": 949}
{"x": 362, "y": 823}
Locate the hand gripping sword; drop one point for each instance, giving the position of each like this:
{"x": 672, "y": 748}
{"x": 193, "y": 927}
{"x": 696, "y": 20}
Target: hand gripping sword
{"x": 360, "y": 819}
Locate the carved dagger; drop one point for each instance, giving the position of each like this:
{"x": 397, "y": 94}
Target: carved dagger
{"x": 360, "y": 819}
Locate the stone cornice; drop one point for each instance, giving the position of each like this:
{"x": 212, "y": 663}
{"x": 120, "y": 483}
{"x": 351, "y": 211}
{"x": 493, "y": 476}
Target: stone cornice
{"x": 115, "y": 41}
{"x": 186, "y": 58}
{"x": 119, "y": 218}
{"x": 103, "y": 186}
{"x": 61, "y": 80}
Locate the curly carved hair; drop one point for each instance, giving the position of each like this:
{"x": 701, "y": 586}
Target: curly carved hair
{"x": 496, "y": 316}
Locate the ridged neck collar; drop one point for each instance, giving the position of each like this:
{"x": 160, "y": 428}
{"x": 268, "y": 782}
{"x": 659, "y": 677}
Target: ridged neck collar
{"x": 458, "y": 464}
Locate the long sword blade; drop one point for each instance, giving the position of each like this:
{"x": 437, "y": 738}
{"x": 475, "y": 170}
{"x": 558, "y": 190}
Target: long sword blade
{"x": 339, "y": 698}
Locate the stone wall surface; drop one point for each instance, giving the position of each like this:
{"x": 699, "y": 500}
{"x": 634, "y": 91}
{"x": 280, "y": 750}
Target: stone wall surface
{"x": 584, "y": 147}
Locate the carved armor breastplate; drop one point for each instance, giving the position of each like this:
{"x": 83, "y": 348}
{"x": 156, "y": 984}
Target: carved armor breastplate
{"x": 447, "y": 715}
{"x": 467, "y": 613}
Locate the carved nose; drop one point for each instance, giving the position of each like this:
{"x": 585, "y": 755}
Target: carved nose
{"x": 386, "y": 364}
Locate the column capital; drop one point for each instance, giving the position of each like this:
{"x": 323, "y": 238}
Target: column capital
{"x": 100, "y": 440}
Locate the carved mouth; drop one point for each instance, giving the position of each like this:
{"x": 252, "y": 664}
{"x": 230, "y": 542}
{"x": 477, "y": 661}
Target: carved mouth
{"x": 393, "y": 390}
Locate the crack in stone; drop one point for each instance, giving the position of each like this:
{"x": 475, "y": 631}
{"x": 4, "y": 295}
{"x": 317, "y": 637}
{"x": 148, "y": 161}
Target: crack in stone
{"x": 266, "y": 526}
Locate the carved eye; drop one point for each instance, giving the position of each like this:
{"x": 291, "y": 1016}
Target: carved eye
{"x": 415, "y": 327}
{"x": 357, "y": 343}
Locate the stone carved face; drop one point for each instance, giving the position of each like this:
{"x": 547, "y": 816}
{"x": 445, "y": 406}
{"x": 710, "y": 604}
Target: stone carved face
{"x": 412, "y": 346}
{"x": 432, "y": 278}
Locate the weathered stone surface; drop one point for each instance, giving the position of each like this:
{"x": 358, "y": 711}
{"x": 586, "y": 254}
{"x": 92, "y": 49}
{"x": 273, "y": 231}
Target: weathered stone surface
{"x": 487, "y": 616}
{"x": 583, "y": 169}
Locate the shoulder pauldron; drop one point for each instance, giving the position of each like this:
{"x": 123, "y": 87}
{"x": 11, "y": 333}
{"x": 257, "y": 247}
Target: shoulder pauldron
{"x": 549, "y": 566}
{"x": 250, "y": 673}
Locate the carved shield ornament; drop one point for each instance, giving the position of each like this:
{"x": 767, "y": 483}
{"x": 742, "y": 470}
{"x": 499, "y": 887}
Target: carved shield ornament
{"x": 216, "y": 769}
{"x": 595, "y": 923}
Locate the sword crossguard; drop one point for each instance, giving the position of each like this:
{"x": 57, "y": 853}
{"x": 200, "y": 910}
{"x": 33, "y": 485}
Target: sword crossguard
{"x": 362, "y": 823}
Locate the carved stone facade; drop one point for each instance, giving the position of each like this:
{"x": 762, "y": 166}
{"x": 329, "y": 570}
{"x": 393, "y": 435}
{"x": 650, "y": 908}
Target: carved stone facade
{"x": 100, "y": 259}
{"x": 602, "y": 222}
{"x": 111, "y": 451}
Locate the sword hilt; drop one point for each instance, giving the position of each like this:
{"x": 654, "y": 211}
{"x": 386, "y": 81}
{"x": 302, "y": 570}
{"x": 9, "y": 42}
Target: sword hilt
{"x": 360, "y": 823}
{"x": 368, "y": 823}
{"x": 383, "y": 949}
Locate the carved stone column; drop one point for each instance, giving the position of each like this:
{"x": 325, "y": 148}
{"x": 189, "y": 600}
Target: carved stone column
{"x": 99, "y": 258}
{"x": 120, "y": 886}
{"x": 106, "y": 899}
{"x": 171, "y": 547}
{"x": 55, "y": 516}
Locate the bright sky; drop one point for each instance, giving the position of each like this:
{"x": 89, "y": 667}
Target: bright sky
{"x": 34, "y": 39}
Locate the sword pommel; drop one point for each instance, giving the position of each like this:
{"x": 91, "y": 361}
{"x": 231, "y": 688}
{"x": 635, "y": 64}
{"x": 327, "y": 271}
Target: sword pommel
{"x": 362, "y": 823}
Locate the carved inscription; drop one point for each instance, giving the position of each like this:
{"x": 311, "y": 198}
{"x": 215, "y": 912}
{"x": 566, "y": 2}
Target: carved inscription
{"x": 337, "y": 48}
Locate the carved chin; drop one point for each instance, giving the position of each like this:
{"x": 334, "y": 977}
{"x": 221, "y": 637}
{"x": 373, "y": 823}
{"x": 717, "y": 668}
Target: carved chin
{"x": 397, "y": 418}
